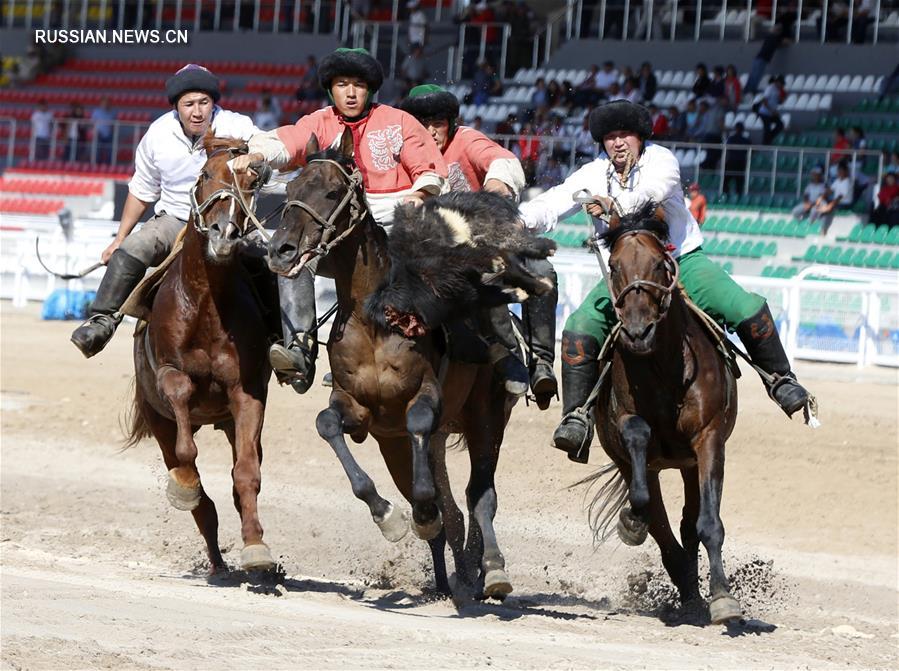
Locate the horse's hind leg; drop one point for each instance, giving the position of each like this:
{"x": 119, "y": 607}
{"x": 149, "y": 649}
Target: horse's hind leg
{"x": 166, "y": 433}
{"x": 676, "y": 560}
{"x": 246, "y": 445}
{"x": 453, "y": 521}
{"x": 421, "y": 421}
{"x": 184, "y": 488}
{"x": 710, "y": 460}
{"x": 330, "y": 426}
{"x": 689, "y": 535}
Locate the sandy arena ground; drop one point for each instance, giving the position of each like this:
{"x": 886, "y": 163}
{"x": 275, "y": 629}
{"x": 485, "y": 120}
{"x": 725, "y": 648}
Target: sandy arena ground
{"x": 99, "y": 572}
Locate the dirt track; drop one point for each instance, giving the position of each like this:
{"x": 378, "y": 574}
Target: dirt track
{"x": 99, "y": 572}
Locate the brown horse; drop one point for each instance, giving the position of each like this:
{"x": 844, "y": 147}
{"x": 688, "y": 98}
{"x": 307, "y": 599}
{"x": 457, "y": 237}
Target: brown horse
{"x": 202, "y": 357}
{"x": 399, "y": 389}
{"x": 671, "y": 403}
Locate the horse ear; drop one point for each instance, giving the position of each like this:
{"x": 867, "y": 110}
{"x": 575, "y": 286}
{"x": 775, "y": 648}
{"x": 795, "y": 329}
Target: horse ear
{"x": 346, "y": 143}
{"x": 312, "y": 146}
{"x": 614, "y": 221}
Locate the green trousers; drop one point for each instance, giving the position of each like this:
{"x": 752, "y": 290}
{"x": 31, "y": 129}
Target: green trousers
{"x": 707, "y": 285}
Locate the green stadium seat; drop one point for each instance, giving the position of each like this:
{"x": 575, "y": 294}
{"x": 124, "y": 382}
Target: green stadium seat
{"x": 778, "y": 228}
{"x": 872, "y": 259}
{"x": 814, "y": 228}
{"x": 867, "y": 235}
{"x": 822, "y": 254}
{"x": 854, "y": 235}
{"x": 893, "y": 236}
{"x": 728, "y": 267}
{"x": 845, "y": 259}
{"x": 732, "y": 225}
{"x": 802, "y": 228}
{"x": 745, "y": 250}
{"x": 809, "y": 255}
{"x": 833, "y": 257}
{"x": 769, "y": 271}
{"x": 711, "y": 223}
{"x": 770, "y": 249}
{"x": 880, "y": 235}
{"x": 734, "y": 248}
{"x": 858, "y": 258}
{"x": 895, "y": 263}
{"x": 709, "y": 245}
{"x": 886, "y": 259}
{"x": 791, "y": 229}
{"x": 757, "y": 250}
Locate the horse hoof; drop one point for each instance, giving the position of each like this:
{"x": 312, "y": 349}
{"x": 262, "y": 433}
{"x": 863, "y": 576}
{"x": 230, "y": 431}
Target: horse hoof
{"x": 430, "y": 530}
{"x": 394, "y": 525}
{"x": 497, "y": 584}
{"x": 256, "y": 557}
{"x": 631, "y": 530}
{"x": 725, "y": 609}
{"x": 181, "y": 497}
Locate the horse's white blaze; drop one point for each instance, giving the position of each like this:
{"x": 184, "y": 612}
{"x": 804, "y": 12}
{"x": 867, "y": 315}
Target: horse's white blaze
{"x": 458, "y": 225}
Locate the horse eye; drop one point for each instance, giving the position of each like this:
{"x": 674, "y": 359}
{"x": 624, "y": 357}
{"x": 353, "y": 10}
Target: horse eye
{"x": 332, "y": 195}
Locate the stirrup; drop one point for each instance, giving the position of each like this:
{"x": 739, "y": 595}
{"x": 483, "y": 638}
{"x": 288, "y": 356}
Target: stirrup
{"x": 294, "y": 364}
{"x": 95, "y": 333}
{"x": 578, "y": 450}
{"x": 784, "y": 382}
{"x": 544, "y": 385}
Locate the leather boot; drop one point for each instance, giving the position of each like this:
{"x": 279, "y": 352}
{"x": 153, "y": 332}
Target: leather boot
{"x": 294, "y": 362}
{"x": 123, "y": 273}
{"x": 580, "y": 371}
{"x": 759, "y": 336}
{"x": 539, "y": 313}
{"x": 503, "y": 350}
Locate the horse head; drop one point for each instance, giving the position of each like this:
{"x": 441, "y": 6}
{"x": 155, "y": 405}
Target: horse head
{"x": 324, "y": 204}
{"x": 642, "y": 277}
{"x": 221, "y": 201}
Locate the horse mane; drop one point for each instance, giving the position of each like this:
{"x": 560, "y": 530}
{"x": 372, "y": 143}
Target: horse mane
{"x": 451, "y": 256}
{"x": 333, "y": 154}
{"x": 643, "y": 219}
{"x": 211, "y": 143}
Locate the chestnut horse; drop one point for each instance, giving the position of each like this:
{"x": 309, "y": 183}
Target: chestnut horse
{"x": 399, "y": 389}
{"x": 671, "y": 403}
{"x": 202, "y": 358}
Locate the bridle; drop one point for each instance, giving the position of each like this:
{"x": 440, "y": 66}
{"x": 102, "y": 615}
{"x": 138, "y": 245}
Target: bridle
{"x": 351, "y": 199}
{"x": 231, "y": 191}
{"x": 664, "y": 301}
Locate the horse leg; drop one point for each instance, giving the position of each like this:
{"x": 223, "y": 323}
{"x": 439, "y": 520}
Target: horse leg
{"x": 710, "y": 461}
{"x": 421, "y": 420}
{"x": 453, "y": 522}
{"x": 398, "y": 458}
{"x": 246, "y": 447}
{"x": 330, "y": 426}
{"x": 205, "y": 517}
{"x": 689, "y": 536}
{"x": 633, "y": 524}
{"x": 484, "y": 434}
{"x": 675, "y": 559}
{"x": 184, "y": 487}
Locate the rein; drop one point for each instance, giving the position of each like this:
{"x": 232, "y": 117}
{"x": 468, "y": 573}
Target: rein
{"x": 351, "y": 199}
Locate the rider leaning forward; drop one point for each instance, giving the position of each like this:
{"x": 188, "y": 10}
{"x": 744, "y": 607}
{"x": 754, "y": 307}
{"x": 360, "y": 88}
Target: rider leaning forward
{"x": 475, "y": 162}
{"x": 168, "y": 159}
{"x": 629, "y": 173}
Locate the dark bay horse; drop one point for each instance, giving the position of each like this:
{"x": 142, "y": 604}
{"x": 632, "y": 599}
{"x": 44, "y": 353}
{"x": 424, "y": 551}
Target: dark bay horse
{"x": 671, "y": 403}
{"x": 202, "y": 357}
{"x": 398, "y": 389}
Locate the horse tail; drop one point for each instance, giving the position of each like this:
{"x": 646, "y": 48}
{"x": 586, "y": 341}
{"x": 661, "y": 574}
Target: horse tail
{"x": 137, "y": 427}
{"x": 607, "y": 502}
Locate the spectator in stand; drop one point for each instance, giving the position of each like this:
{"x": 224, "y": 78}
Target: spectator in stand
{"x": 698, "y": 203}
{"x": 811, "y": 195}
{"x": 716, "y": 86}
{"x": 29, "y": 65}
{"x": 604, "y": 79}
{"x": 76, "y": 133}
{"x": 836, "y": 196}
{"x": 554, "y": 93}
{"x": 857, "y": 141}
{"x": 614, "y": 92}
{"x": 768, "y": 109}
{"x": 691, "y": 114}
{"x": 478, "y": 124}
{"x": 551, "y": 174}
{"x": 506, "y": 127}
{"x": 648, "y": 84}
{"x": 584, "y": 144}
{"x": 41, "y": 131}
{"x": 840, "y": 143}
{"x": 418, "y": 24}
{"x": 713, "y": 133}
{"x": 887, "y": 205}
{"x": 528, "y": 151}
{"x": 732, "y": 88}
{"x": 540, "y": 96}
{"x": 310, "y": 89}
{"x": 103, "y": 120}
{"x": 659, "y": 123}
{"x": 631, "y": 90}
{"x": 413, "y": 67}
{"x": 771, "y": 43}
{"x": 484, "y": 84}
{"x": 677, "y": 124}
{"x": 268, "y": 112}
{"x": 838, "y": 21}
{"x": 735, "y": 159}
{"x": 891, "y": 163}
{"x": 702, "y": 82}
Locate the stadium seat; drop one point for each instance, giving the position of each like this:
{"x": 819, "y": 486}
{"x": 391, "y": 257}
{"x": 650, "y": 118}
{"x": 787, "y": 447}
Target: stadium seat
{"x": 872, "y": 259}
{"x": 886, "y": 260}
{"x": 858, "y": 258}
{"x": 880, "y": 235}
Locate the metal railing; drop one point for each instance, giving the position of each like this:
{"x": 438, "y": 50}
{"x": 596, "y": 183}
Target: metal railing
{"x": 261, "y": 16}
{"x": 736, "y": 20}
{"x": 368, "y": 35}
{"x": 77, "y": 140}
{"x": 485, "y": 49}
{"x": 563, "y": 22}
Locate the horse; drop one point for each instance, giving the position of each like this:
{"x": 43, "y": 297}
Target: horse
{"x": 202, "y": 356}
{"x": 393, "y": 382}
{"x": 671, "y": 402}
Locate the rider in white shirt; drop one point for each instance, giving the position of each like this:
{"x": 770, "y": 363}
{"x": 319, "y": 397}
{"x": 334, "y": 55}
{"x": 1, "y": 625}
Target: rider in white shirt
{"x": 166, "y": 164}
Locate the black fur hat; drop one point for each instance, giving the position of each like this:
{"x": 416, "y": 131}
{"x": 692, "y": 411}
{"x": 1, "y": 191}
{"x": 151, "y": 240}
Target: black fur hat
{"x": 350, "y": 63}
{"x": 620, "y": 115}
{"x": 430, "y": 101}
{"x": 192, "y": 78}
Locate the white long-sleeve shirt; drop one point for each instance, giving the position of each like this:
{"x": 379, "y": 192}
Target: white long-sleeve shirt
{"x": 656, "y": 178}
{"x": 166, "y": 163}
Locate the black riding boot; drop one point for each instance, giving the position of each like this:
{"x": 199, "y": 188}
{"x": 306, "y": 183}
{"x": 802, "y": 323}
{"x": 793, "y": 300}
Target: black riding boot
{"x": 580, "y": 371}
{"x": 295, "y": 362}
{"x": 503, "y": 348}
{"x": 539, "y": 314}
{"x": 123, "y": 273}
{"x": 759, "y": 335}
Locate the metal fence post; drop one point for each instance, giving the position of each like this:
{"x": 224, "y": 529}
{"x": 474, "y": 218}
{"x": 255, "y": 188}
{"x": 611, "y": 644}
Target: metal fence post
{"x": 798, "y": 21}
{"x": 626, "y": 20}
{"x": 747, "y": 170}
{"x": 674, "y": 21}
{"x": 504, "y": 50}
{"x": 824, "y": 12}
{"x": 697, "y": 21}
{"x": 723, "y": 20}
{"x": 602, "y": 19}
{"x": 849, "y": 25}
